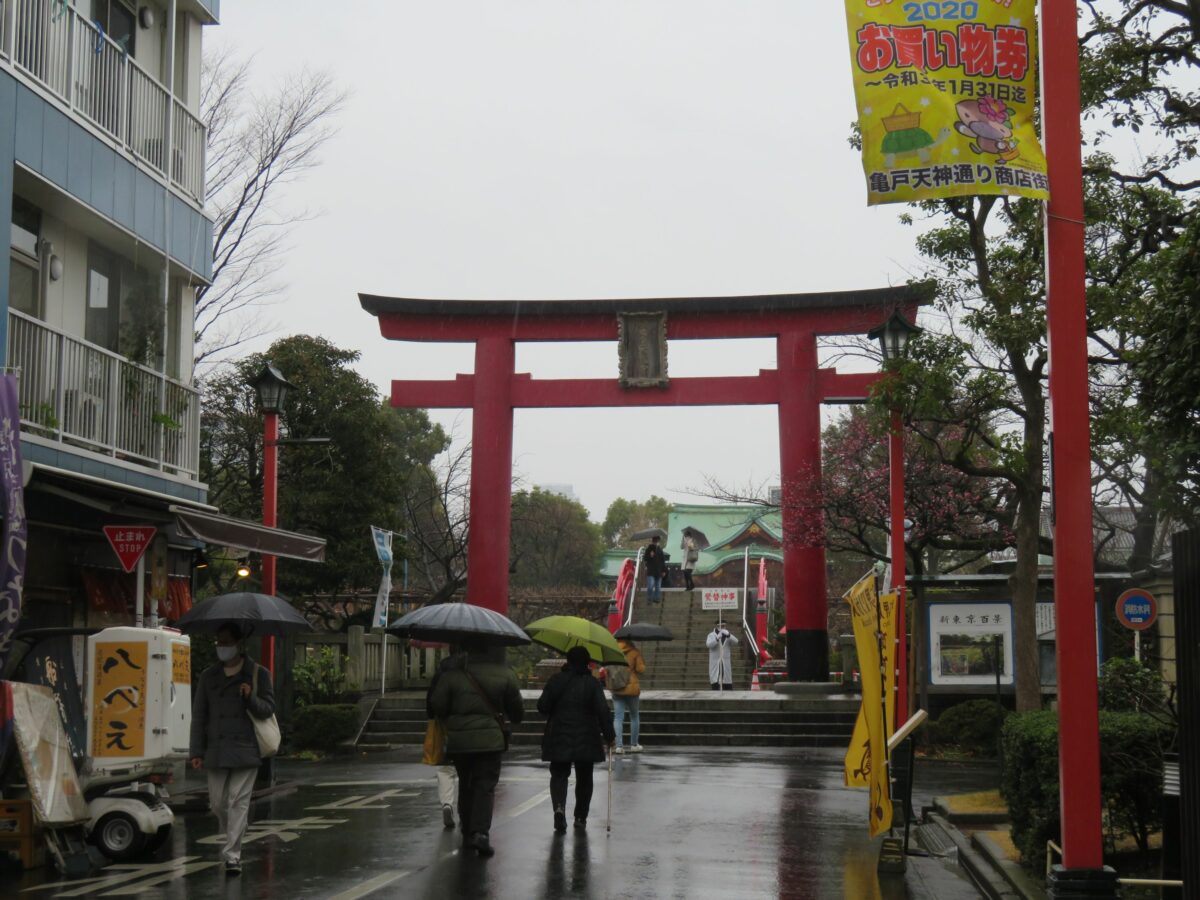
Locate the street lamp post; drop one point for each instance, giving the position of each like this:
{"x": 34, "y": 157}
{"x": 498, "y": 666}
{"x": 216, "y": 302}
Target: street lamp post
{"x": 271, "y": 388}
{"x": 893, "y": 336}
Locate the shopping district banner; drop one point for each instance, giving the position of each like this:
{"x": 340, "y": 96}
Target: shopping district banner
{"x": 945, "y": 94}
{"x": 866, "y": 762}
{"x": 13, "y": 527}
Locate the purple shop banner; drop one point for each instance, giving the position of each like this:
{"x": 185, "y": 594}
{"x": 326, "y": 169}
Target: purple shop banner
{"x": 13, "y": 533}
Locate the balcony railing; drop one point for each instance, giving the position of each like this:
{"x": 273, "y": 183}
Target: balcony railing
{"x": 95, "y": 77}
{"x": 81, "y": 394}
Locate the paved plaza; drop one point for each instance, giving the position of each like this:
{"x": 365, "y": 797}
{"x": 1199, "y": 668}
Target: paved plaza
{"x": 687, "y": 823}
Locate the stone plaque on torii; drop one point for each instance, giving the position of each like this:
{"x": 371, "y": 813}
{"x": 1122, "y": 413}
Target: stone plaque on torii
{"x": 797, "y": 386}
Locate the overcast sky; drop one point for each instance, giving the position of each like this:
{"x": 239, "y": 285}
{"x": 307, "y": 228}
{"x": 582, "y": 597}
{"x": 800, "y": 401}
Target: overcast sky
{"x": 595, "y": 148}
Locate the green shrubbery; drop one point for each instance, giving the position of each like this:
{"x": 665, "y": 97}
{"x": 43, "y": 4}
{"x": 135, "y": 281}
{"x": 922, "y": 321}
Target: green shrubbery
{"x": 1128, "y": 686}
{"x": 972, "y": 727}
{"x": 318, "y": 679}
{"x": 1131, "y": 746}
{"x": 322, "y": 726}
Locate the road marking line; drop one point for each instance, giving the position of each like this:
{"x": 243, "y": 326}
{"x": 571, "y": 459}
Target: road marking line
{"x": 530, "y": 804}
{"x": 426, "y": 781}
{"x": 370, "y": 887}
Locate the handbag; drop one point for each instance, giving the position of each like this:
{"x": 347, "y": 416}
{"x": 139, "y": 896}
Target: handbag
{"x": 266, "y": 731}
{"x": 501, "y": 719}
{"x": 434, "y": 753}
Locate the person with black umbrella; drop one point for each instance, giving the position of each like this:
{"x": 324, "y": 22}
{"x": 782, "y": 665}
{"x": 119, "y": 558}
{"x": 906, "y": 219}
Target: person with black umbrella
{"x": 223, "y": 740}
{"x": 578, "y": 727}
{"x": 477, "y": 699}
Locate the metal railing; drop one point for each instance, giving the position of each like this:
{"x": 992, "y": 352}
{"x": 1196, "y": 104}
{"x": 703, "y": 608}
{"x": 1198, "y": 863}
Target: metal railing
{"x": 751, "y": 643}
{"x": 96, "y": 77}
{"x": 1052, "y": 848}
{"x": 76, "y": 392}
{"x": 637, "y": 569}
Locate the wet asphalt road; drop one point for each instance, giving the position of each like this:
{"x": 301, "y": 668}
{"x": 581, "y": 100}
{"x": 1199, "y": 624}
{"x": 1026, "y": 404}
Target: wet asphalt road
{"x": 689, "y": 823}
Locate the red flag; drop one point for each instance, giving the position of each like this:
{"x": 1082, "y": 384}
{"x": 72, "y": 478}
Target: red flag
{"x": 621, "y": 596}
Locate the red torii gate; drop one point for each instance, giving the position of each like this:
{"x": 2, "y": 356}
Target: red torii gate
{"x": 798, "y": 387}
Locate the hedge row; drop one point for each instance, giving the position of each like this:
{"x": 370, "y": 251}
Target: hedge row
{"x": 322, "y": 726}
{"x": 1131, "y": 764}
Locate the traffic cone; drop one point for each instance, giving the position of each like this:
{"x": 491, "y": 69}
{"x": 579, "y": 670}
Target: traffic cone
{"x": 754, "y": 686}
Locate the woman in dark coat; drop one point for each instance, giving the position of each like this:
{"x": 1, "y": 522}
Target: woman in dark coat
{"x": 578, "y": 727}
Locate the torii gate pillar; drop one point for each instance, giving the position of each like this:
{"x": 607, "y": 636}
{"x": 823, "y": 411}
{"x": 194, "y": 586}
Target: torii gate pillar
{"x": 491, "y": 473}
{"x": 800, "y": 484}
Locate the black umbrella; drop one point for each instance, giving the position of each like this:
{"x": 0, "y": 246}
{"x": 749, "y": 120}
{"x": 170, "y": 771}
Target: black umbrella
{"x": 254, "y": 613}
{"x": 454, "y": 622}
{"x": 646, "y": 533}
{"x": 696, "y": 535}
{"x": 644, "y": 631}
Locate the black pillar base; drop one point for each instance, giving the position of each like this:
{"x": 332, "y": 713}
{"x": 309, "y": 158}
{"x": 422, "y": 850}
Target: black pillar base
{"x": 1068, "y": 883}
{"x": 808, "y": 654}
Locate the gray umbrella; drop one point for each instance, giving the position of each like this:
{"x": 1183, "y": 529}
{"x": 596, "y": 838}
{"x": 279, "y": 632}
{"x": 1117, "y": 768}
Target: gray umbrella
{"x": 697, "y": 535}
{"x": 646, "y": 533}
{"x": 254, "y": 613}
{"x": 454, "y": 622}
{"x": 643, "y": 631}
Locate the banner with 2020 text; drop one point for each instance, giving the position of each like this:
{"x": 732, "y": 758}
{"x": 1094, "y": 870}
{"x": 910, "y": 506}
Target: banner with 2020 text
{"x": 945, "y": 95}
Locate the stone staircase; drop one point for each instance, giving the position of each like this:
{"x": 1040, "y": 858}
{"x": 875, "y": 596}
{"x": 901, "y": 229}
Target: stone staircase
{"x": 682, "y": 664}
{"x": 669, "y": 718}
{"x": 678, "y": 707}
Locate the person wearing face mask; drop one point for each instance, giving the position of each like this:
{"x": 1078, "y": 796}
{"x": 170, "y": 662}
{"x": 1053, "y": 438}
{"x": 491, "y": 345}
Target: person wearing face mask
{"x": 222, "y": 739}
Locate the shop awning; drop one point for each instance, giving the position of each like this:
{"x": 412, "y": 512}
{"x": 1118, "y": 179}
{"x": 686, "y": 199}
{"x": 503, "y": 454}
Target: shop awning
{"x": 213, "y": 528}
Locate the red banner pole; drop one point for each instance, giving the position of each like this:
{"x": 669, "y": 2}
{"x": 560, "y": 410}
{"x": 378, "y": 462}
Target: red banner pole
{"x": 1066, "y": 313}
{"x": 896, "y": 483}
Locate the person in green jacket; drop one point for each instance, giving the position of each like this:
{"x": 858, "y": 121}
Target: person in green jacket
{"x": 475, "y": 698}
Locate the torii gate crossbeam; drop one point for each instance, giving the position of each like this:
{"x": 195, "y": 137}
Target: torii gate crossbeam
{"x": 798, "y": 387}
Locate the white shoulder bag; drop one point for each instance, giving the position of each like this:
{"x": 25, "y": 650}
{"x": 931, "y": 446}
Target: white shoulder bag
{"x": 266, "y": 731}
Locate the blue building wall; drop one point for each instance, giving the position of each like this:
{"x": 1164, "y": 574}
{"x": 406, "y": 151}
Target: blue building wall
{"x": 8, "y": 140}
{"x": 36, "y": 134}
{"x": 48, "y": 142}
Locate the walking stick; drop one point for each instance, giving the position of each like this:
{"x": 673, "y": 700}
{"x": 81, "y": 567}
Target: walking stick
{"x": 608, "y": 823}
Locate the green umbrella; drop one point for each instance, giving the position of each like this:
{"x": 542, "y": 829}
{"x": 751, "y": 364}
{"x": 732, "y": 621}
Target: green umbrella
{"x": 564, "y": 632}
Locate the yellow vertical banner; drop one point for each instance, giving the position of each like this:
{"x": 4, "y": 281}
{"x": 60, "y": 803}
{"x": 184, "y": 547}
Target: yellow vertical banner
{"x": 874, "y": 619}
{"x": 119, "y": 699}
{"x": 945, "y": 94}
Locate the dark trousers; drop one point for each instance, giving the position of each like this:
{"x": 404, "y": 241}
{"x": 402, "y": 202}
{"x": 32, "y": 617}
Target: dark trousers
{"x": 687, "y": 579}
{"x": 728, "y": 686}
{"x": 477, "y": 777}
{"x": 559, "y": 772}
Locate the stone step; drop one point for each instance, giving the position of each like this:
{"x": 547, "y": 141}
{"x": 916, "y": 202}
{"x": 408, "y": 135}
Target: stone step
{"x": 696, "y": 739}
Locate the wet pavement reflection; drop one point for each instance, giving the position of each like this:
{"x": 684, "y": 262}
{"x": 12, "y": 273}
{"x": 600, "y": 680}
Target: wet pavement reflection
{"x": 686, "y": 823}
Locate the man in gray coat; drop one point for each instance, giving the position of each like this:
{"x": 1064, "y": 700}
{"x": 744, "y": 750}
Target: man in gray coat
{"x": 223, "y": 740}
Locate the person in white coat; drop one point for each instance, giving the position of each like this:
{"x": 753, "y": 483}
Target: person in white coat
{"x": 720, "y": 657}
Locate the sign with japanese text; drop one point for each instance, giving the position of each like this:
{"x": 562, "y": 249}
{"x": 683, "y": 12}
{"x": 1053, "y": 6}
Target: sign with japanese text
{"x": 968, "y": 642}
{"x": 383, "y": 549}
{"x": 129, "y": 542}
{"x": 14, "y": 531}
{"x": 181, "y": 663}
{"x": 866, "y": 760}
{"x": 118, "y": 699}
{"x": 945, "y": 94}
{"x": 720, "y": 598}
{"x": 1137, "y": 609}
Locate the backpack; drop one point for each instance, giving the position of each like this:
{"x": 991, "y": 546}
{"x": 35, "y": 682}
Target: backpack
{"x": 618, "y": 677}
